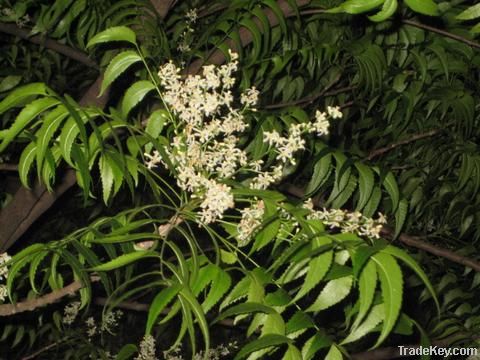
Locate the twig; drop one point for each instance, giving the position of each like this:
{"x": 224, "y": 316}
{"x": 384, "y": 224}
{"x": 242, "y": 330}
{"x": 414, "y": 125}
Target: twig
{"x": 8, "y": 167}
{"x": 383, "y": 150}
{"x": 50, "y": 298}
{"x": 42, "y": 350}
{"x": 309, "y": 99}
{"x": 410, "y": 240}
{"x": 442, "y": 32}
{"x": 66, "y": 50}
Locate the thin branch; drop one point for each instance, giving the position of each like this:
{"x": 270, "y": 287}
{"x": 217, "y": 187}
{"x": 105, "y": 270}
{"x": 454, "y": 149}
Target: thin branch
{"x": 40, "y": 351}
{"x": 50, "y": 298}
{"x": 30, "y": 305}
{"x": 442, "y": 32}
{"x": 66, "y": 50}
{"x": 383, "y": 150}
{"x": 309, "y": 99}
{"x": 8, "y": 167}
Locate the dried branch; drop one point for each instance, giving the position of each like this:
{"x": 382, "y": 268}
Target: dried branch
{"x": 50, "y": 298}
{"x": 66, "y": 50}
{"x": 383, "y": 150}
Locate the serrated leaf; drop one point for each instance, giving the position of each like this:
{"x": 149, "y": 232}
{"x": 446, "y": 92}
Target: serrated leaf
{"x": 391, "y": 281}
{"x": 245, "y": 308}
{"x": 334, "y": 354}
{"x": 135, "y": 95}
{"x": 28, "y": 114}
{"x": 333, "y": 292}
{"x": 292, "y": 353}
{"x": 367, "y": 283}
{"x": 357, "y": 6}
{"x": 123, "y": 260}
{"x": 117, "y": 66}
{"x": 26, "y": 160}
{"x": 117, "y": 33}
{"x": 317, "y": 269}
{"x": 50, "y": 125}
{"x": 374, "y": 318}
{"x": 18, "y": 96}
{"x": 366, "y": 182}
{"x": 161, "y": 300}
{"x": 313, "y": 345}
{"x": 388, "y": 9}
{"x": 263, "y": 342}
{"x": 412, "y": 264}
{"x": 425, "y": 7}
{"x": 470, "y": 13}
{"x": 107, "y": 177}
{"x": 400, "y": 216}
{"x": 218, "y": 287}
{"x": 9, "y": 82}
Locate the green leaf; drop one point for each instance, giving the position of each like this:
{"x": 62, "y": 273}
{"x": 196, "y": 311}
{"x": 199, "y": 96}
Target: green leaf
{"x": 388, "y": 9}
{"x": 292, "y": 353}
{"x": 219, "y": 286}
{"x": 313, "y": 345}
{"x": 117, "y": 66}
{"x": 126, "y": 352}
{"x": 357, "y": 6}
{"x": 20, "y": 95}
{"x": 412, "y": 264}
{"x": 367, "y": 284}
{"x": 334, "y": 292}
{"x": 425, "y": 7}
{"x": 334, "y": 354}
{"x": 317, "y": 269}
{"x": 391, "y": 281}
{"x": 245, "y": 308}
{"x": 391, "y": 186}
{"x": 187, "y": 295}
{"x": 374, "y": 318}
{"x": 400, "y": 216}
{"x": 30, "y": 112}
{"x": 470, "y": 13}
{"x": 50, "y": 125}
{"x": 26, "y": 160}
{"x": 159, "y": 303}
{"x": 123, "y": 260}
{"x": 107, "y": 177}
{"x": 366, "y": 183}
{"x": 117, "y": 33}
{"x": 9, "y": 82}
{"x": 263, "y": 342}
{"x": 135, "y": 94}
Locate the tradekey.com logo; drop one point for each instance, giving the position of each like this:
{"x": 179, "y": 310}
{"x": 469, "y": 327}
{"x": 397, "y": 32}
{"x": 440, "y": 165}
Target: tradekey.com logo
{"x": 436, "y": 351}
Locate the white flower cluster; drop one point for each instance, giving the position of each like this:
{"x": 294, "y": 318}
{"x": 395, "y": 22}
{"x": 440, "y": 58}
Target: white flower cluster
{"x": 91, "y": 327}
{"x": 251, "y": 220}
{"x": 4, "y": 258}
{"x": 191, "y": 17}
{"x": 218, "y": 353}
{"x": 351, "y": 222}
{"x": 147, "y": 349}
{"x": 286, "y": 147}
{"x": 70, "y": 312}
{"x": 205, "y": 149}
{"x": 110, "y": 320}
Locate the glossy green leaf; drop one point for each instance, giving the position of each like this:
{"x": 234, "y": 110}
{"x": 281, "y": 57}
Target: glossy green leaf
{"x": 117, "y": 33}
{"x": 135, "y": 95}
{"x": 333, "y": 293}
{"x": 123, "y": 260}
{"x": 391, "y": 281}
{"x": 117, "y": 66}
{"x": 161, "y": 300}
{"x": 375, "y": 316}
{"x": 425, "y": 7}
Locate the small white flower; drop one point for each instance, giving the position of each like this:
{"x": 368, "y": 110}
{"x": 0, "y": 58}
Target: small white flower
{"x": 147, "y": 349}
{"x": 334, "y": 112}
{"x": 70, "y": 312}
{"x": 3, "y": 292}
